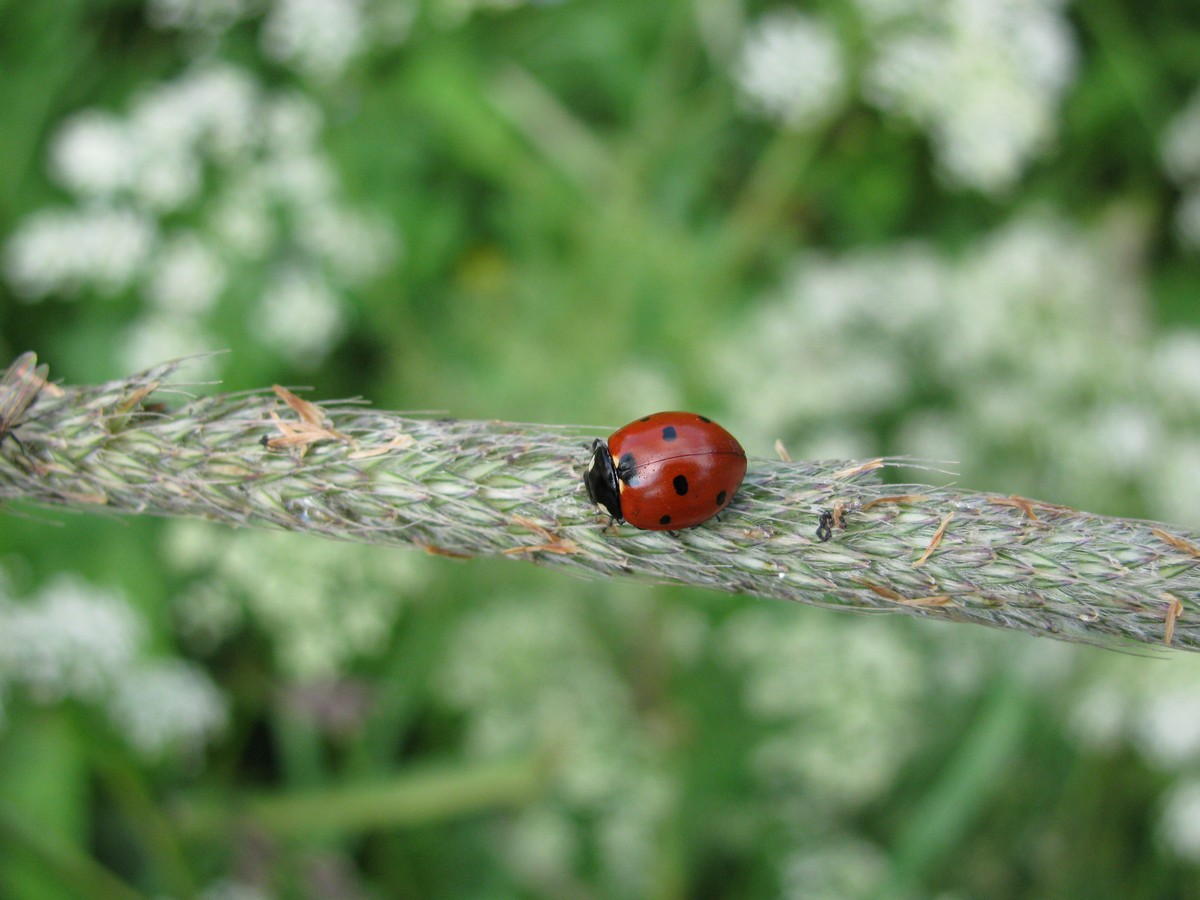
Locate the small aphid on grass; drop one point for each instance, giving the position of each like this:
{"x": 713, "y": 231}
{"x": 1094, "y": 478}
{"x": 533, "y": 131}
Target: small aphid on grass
{"x": 831, "y": 519}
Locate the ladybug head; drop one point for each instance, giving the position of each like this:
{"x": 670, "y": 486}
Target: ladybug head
{"x": 601, "y": 480}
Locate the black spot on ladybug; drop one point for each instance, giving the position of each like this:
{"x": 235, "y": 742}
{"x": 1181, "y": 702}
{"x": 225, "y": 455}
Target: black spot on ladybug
{"x": 704, "y": 418}
{"x": 681, "y": 485}
{"x": 665, "y": 520}
{"x": 721, "y": 498}
{"x": 669, "y": 433}
{"x": 644, "y": 419}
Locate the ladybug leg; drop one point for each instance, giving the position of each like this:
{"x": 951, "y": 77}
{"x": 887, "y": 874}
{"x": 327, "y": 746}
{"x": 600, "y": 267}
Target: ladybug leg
{"x": 612, "y": 523}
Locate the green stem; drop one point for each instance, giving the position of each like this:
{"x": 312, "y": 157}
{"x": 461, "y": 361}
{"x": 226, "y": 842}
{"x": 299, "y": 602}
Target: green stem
{"x": 412, "y": 799}
{"x": 761, "y": 208}
{"x": 75, "y": 869}
{"x": 941, "y": 820}
{"x": 158, "y": 838}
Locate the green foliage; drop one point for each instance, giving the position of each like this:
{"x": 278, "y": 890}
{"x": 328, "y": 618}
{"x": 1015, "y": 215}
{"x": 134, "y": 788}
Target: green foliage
{"x": 571, "y": 212}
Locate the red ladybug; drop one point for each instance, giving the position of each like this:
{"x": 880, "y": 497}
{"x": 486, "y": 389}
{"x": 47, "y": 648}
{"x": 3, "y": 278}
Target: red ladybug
{"x": 666, "y": 471}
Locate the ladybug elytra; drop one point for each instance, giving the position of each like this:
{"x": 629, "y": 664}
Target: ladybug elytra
{"x": 666, "y": 471}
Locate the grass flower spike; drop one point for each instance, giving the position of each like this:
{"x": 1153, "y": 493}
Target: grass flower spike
{"x": 457, "y": 488}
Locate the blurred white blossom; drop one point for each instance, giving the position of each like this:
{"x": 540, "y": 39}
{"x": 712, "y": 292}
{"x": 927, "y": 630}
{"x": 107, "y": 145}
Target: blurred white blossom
{"x": 877, "y": 13}
{"x": 1167, "y": 724}
{"x": 1179, "y": 823}
{"x": 834, "y": 869}
{"x": 322, "y": 604}
{"x": 984, "y": 77}
{"x": 68, "y": 250}
{"x": 1181, "y": 144}
{"x": 840, "y": 722}
{"x": 206, "y": 16}
{"x": 157, "y": 335}
{"x": 187, "y": 276}
{"x": 94, "y": 154}
{"x": 69, "y": 642}
{"x": 1026, "y": 362}
{"x": 316, "y": 37}
{"x": 346, "y": 241}
{"x": 75, "y": 641}
{"x": 1153, "y": 708}
{"x": 1171, "y": 484}
{"x": 298, "y": 316}
{"x": 241, "y": 216}
{"x": 790, "y": 68}
{"x": 166, "y": 705}
{"x": 239, "y": 163}
{"x": 1187, "y": 218}
{"x": 528, "y": 672}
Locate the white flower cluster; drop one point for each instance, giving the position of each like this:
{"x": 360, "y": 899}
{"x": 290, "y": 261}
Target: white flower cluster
{"x": 78, "y": 642}
{"x": 1181, "y": 160}
{"x": 528, "y": 672}
{"x": 1179, "y": 822}
{"x": 317, "y": 39}
{"x": 835, "y": 868}
{"x": 1155, "y": 709}
{"x": 982, "y": 77}
{"x": 205, "y": 16}
{"x": 1027, "y": 355}
{"x": 790, "y": 69}
{"x": 164, "y": 704}
{"x": 322, "y": 604}
{"x": 841, "y": 722}
{"x": 241, "y": 165}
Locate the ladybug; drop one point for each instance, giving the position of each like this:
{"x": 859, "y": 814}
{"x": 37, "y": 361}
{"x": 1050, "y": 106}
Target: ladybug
{"x": 666, "y": 471}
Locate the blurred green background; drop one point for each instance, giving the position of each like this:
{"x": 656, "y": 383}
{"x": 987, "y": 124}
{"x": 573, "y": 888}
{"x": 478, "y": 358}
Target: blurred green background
{"x": 961, "y": 230}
